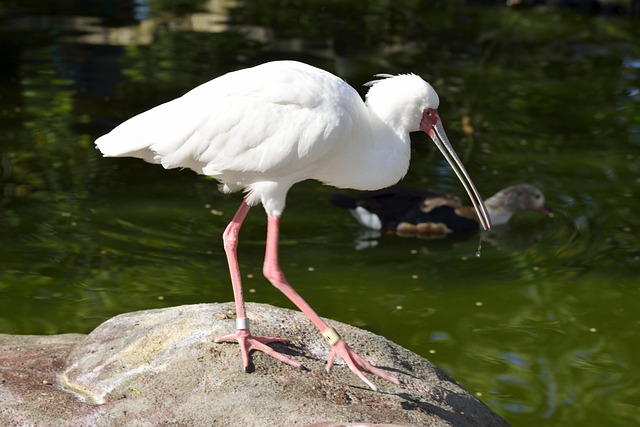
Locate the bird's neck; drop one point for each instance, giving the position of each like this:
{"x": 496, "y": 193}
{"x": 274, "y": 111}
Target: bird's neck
{"x": 374, "y": 157}
{"x": 386, "y": 158}
{"x": 499, "y": 212}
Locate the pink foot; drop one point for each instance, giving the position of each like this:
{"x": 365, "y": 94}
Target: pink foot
{"x": 249, "y": 343}
{"x": 356, "y": 363}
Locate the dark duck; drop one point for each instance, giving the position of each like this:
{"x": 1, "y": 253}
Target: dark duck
{"x": 414, "y": 211}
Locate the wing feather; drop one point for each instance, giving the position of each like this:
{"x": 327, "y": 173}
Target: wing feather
{"x": 266, "y": 118}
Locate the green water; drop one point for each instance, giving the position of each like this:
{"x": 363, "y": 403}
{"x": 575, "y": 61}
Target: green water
{"x": 542, "y": 326}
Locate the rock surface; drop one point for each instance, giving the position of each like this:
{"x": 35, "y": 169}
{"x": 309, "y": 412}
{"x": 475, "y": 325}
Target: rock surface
{"x": 161, "y": 367}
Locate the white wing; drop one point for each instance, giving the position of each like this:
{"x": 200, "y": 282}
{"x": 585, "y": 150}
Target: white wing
{"x": 274, "y": 119}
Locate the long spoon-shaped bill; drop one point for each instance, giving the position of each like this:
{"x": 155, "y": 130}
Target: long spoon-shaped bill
{"x": 431, "y": 125}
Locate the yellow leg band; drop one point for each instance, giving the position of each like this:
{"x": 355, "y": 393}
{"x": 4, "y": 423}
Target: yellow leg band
{"x": 330, "y": 336}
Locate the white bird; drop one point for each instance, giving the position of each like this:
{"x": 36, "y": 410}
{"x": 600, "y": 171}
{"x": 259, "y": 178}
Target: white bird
{"x": 265, "y": 128}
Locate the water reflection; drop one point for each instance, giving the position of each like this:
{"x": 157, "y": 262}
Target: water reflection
{"x": 504, "y": 238}
{"x": 543, "y": 326}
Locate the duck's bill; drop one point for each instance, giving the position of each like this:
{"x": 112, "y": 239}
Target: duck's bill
{"x": 442, "y": 142}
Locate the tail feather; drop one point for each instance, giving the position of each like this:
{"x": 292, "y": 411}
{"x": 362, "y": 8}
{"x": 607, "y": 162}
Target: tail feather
{"x": 153, "y": 137}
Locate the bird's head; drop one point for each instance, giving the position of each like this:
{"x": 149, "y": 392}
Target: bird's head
{"x": 407, "y": 103}
{"x": 520, "y": 197}
{"x": 400, "y": 101}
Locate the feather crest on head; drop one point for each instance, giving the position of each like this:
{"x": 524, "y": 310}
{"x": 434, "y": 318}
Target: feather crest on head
{"x": 381, "y": 77}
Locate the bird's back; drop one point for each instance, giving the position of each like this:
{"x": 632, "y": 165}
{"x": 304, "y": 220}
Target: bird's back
{"x": 389, "y": 203}
{"x": 386, "y": 208}
{"x": 397, "y": 207}
{"x": 256, "y": 121}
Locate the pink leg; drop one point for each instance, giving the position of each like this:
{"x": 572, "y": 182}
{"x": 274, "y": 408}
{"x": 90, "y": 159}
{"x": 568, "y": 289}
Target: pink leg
{"x": 246, "y": 341}
{"x": 274, "y": 274}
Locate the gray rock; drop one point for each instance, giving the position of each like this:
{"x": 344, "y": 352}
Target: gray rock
{"x": 161, "y": 367}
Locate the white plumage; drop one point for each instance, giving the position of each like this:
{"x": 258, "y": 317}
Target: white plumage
{"x": 268, "y": 127}
{"x": 263, "y": 129}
